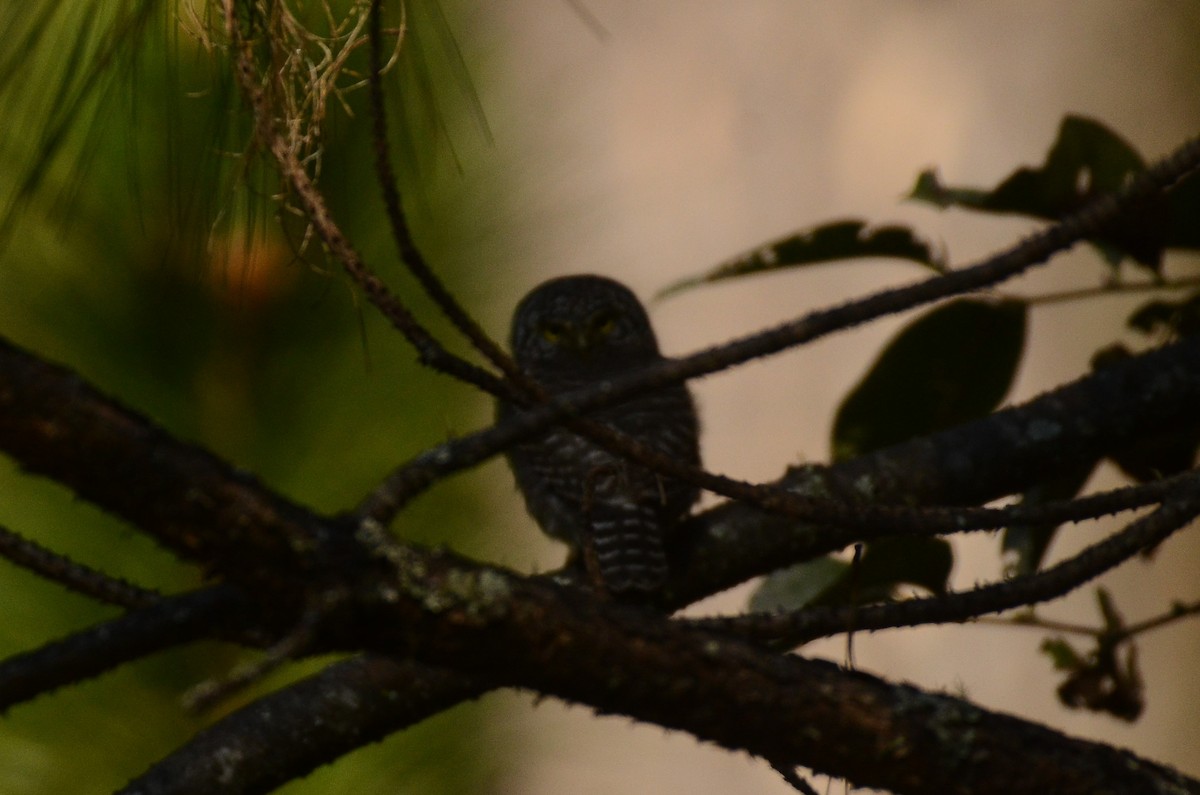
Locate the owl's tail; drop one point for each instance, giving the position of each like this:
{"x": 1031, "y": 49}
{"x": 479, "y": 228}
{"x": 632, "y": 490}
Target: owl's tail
{"x": 625, "y": 551}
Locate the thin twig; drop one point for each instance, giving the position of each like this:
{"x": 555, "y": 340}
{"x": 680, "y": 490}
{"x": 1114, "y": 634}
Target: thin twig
{"x": 793, "y": 779}
{"x": 72, "y": 575}
{"x": 170, "y": 621}
{"x": 1109, "y": 289}
{"x": 211, "y": 692}
{"x": 410, "y": 253}
{"x": 1177, "y": 612}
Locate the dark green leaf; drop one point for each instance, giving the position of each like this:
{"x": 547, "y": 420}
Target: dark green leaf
{"x": 885, "y": 565}
{"x": 798, "y": 586}
{"x": 837, "y": 240}
{"x": 1085, "y": 161}
{"x": 1027, "y": 543}
{"x": 951, "y": 365}
{"x": 929, "y": 189}
{"x": 900, "y": 560}
{"x": 1063, "y": 654}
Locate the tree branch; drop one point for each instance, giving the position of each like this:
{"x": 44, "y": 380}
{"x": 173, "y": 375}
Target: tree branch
{"x": 984, "y": 459}
{"x": 989, "y": 458}
{"x": 170, "y": 621}
{"x": 785, "y": 630}
{"x": 415, "y": 476}
{"x": 561, "y": 641}
{"x": 295, "y": 730}
{"x": 531, "y": 634}
{"x": 72, "y": 575}
{"x": 410, "y": 254}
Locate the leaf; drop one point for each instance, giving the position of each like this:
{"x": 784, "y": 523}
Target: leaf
{"x": 837, "y": 240}
{"x": 900, "y": 560}
{"x": 1085, "y": 161}
{"x": 798, "y": 586}
{"x": 1113, "y": 622}
{"x": 1062, "y": 654}
{"x": 1172, "y": 319}
{"x": 952, "y": 364}
{"x": 885, "y": 565}
{"x": 1106, "y": 685}
{"x": 1100, "y": 681}
{"x": 1026, "y": 544}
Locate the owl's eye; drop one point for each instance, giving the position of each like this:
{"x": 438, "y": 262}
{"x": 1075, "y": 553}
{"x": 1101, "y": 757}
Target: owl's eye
{"x": 603, "y": 323}
{"x": 554, "y": 331}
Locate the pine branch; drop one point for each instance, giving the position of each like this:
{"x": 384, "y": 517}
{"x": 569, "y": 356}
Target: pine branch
{"x": 410, "y": 253}
{"x": 430, "y": 352}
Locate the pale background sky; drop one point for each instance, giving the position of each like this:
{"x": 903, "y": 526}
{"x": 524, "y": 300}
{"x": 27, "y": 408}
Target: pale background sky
{"x": 692, "y": 131}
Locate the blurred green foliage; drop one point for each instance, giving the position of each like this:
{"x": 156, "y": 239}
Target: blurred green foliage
{"x": 143, "y": 249}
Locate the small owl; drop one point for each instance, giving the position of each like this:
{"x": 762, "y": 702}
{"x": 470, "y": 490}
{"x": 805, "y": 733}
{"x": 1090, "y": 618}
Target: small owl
{"x": 568, "y": 333}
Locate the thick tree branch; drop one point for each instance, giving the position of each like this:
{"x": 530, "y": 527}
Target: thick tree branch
{"x": 532, "y": 634}
{"x": 299, "y": 728}
{"x": 975, "y": 462}
{"x": 201, "y": 508}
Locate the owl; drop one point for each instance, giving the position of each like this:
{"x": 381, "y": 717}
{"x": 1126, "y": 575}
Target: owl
{"x": 615, "y": 515}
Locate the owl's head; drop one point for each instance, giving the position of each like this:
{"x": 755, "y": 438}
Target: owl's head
{"x": 581, "y": 321}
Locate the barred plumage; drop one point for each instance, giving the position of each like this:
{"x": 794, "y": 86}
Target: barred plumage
{"x": 616, "y": 515}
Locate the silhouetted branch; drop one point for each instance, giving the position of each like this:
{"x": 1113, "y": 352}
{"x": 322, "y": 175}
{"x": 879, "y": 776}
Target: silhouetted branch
{"x": 994, "y": 455}
{"x": 561, "y": 641}
{"x": 795, "y": 628}
{"x": 1178, "y": 611}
